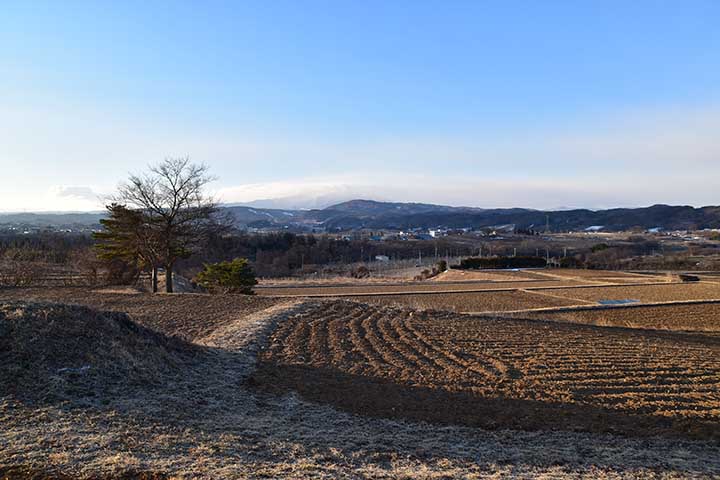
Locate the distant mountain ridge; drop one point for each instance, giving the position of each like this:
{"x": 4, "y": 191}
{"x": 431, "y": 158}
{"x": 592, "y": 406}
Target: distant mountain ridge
{"x": 370, "y": 214}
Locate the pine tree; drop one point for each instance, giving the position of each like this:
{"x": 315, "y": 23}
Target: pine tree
{"x": 129, "y": 236}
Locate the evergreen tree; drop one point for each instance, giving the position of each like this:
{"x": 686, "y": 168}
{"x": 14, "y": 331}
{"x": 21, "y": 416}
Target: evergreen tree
{"x": 228, "y": 277}
{"x": 130, "y": 237}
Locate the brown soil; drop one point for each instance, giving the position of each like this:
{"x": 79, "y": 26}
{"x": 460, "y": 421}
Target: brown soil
{"x": 645, "y": 293}
{"x": 472, "y": 302}
{"x": 412, "y": 287}
{"x": 704, "y": 317}
{"x": 205, "y": 421}
{"x": 191, "y": 316}
{"x": 495, "y": 373}
{"x": 485, "y": 275}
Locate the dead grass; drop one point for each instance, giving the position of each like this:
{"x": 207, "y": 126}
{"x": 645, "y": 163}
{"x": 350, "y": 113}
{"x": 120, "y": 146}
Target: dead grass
{"x": 207, "y": 423}
{"x": 190, "y": 316}
{"x": 703, "y": 317}
{"x": 646, "y": 293}
{"x": 407, "y": 288}
{"x": 56, "y": 352}
{"x": 470, "y": 302}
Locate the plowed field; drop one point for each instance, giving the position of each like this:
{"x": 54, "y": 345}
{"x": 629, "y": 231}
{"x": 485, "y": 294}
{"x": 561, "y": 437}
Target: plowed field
{"x": 692, "y": 317}
{"x": 410, "y": 287}
{"x": 494, "y": 373}
{"x": 501, "y": 301}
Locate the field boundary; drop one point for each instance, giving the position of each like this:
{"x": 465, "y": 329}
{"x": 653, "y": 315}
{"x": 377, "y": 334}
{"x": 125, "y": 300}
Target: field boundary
{"x": 484, "y": 290}
{"x": 545, "y": 294}
{"x": 395, "y": 284}
{"x": 581, "y": 308}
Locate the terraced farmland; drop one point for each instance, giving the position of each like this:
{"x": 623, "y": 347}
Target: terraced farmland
{"x": 667, "y": 292}
{"x": 489, "y": 275}
{"x": 703, "y": 317}
{"x": 499, "y": 301}
{"x": 497, "y": 373}
{"x": 343, "y": 290}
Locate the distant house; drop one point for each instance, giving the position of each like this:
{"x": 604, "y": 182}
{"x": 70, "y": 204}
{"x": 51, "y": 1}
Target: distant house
{"x": 595, "y": 228}
{"x": 423, "y": 236}
{"x": 382, "y": 258}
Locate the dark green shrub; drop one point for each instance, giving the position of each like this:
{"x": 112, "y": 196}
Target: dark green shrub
{"x": 600, "y": 247}
{"x": 360, "y": 272}
{"x": 227, "y": 277}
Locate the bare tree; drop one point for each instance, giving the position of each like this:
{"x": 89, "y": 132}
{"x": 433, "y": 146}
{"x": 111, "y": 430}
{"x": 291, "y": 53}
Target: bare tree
{"x": 172, "y": 197}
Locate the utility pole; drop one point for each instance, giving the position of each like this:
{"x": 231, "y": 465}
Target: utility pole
{"x": 515, "y": 252}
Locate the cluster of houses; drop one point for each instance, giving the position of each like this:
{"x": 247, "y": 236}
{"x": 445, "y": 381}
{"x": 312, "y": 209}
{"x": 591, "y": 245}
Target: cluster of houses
{"x": 427, "y": 234}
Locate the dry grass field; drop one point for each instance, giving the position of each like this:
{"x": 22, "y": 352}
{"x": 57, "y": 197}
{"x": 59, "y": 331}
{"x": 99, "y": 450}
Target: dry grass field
{"x": 645, "y": 293}
{"x": 131, "y": 385}
{"x": 389, "y": 288}
{"x": 499, "y": 301}
{"x": 188, "y": 316}
{"x": 601, "y": 274}
{"x": 702, "y": 317}
{"x": 488, "y": 275}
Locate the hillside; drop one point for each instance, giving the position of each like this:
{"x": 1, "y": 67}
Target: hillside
{"x": 356, "y": 214}
{"x": 385, "y": 215}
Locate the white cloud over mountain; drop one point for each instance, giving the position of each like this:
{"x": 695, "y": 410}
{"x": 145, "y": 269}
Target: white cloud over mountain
{"x": 660, "y": 155}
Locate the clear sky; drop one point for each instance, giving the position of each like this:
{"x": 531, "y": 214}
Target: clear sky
{"x": 530, "y": 103}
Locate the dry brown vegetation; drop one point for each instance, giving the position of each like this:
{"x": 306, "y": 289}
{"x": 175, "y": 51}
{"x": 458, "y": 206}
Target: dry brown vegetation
{"x": 496, "y": 398}
{"x": 499, "y": 301}
{"x": 488, "y": 275}
{"x": 645, "y": 293}
{"x": 704, "y": 317}
{"x": 389, "y": 288}
{"x": 190, "y": 316}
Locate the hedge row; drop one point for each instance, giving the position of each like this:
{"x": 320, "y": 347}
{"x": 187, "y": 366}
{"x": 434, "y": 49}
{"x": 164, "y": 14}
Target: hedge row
{"x": 474, "y": 263}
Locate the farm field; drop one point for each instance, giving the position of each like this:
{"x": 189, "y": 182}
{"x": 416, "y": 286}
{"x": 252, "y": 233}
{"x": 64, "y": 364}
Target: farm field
{"x": 497, "y": 373}
{"x": 560, "y": 288}
{"x": 645, "y": 293}
{"x": 488, "y": 275}
{"x": 596, "y": 274}
{"x": 200, "y": 386}
{"x": 499, "y": 301}
{"x": 703, "y": 317}
{"x": 388, "y": 288}
{"x": 171, "y": 314}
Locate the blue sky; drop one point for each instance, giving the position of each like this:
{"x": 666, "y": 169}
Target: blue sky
{"x": 534, "y": 104}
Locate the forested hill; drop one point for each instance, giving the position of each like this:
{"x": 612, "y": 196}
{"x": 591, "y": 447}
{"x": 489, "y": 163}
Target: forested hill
{"x": 369, "y": 214}
{"x": 385, "y": 215}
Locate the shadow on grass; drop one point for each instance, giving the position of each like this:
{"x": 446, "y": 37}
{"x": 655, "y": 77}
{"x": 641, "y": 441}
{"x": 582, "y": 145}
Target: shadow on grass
{"x": 24, "y": 472}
